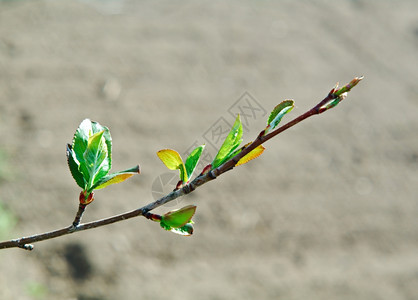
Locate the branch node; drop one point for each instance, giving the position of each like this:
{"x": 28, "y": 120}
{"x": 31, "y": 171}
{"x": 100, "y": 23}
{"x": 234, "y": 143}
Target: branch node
{"x": 152, "y": 217}
{"x": 28, "y": 247}
{"x": 189, "y": 188}
{"x": 260, "y": 136}
{"x": 212, "y": 174}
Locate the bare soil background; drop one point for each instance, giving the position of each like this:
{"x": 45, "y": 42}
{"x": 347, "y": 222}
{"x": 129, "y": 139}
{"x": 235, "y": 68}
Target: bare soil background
{"x": 329, "y": 211}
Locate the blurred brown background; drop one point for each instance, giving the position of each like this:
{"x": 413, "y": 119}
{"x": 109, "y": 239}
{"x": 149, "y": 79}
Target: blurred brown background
{"x": 329, "y": 211}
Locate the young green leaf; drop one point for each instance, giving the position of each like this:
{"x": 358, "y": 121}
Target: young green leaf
{"x": 186, "y": 230}
{"x": 179, "y": 217}
{"x": 232, "y": 141}
{"x": 89, "y": 159}
{"x": 334, "y": 102}
{"x": 79, "y": 146}
{"x": 73, "y": 164}
{"x": 115, "y": 178}
{"x": 193, "y": 159}
{"x": 95, "y": 158}
{"x": 96, "y": 127}
{"x": 235, "y": 152}
{"x": 170, "y": 158}
{"x": 81, "y": 137}
{"x": 277, "y": 114}
{"x": 173, "y": 161}
{"x": 251, "y": 155}
{"x": 92, "y": 142}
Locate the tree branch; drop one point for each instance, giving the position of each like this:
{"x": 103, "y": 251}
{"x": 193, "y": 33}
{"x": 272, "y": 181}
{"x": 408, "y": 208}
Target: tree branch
{"x": 332, "y": 99}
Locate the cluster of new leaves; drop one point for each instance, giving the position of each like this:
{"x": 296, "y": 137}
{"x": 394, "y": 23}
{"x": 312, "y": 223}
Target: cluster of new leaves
{"x": 90, "y": 159}
{"x": 229, "y": 148}
{"x": 173, "y": 161}
{"x": 180, "y": 220}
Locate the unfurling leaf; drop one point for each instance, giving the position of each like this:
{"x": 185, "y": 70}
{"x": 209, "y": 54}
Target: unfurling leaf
{"x": 95, "y": 157}
{"x": 347, "y": 87}
{"x": 91, "y": 151}
{"x": 116, "y": 178}
{"x": 179, "y": 217}
{"x": 184, "y": 230}
{"x": 193, "y": 159}
{"x": 73, "y": 164}
{"x": 334, "y": 102}
{"x": 256, "y": 152}
{"x": 170, "y": 158}
{"x": 232, "y": 142}
{"x": 339, "y": 94}
{"x": 178, "y": 221}
{"x": 89, "y": 159}
{"x": 173, "y": 161}
{"x": 277, "y": 114}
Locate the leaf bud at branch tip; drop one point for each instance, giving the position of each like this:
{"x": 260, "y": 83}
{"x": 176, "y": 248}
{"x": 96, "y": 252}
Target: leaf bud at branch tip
{"x": 356, "y": 80}
{"x": 336, "y": 95}
{"x": 348, "y": 86}
{"x": 334, "y": 89}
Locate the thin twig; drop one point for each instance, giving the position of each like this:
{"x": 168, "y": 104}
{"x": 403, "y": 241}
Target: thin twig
{"x": 79, "y": 215}
{"x": 321, "y": 107}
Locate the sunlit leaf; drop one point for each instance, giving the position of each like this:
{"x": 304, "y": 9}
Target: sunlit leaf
{"x": 277, "y": 114}
{"x": 115, "y": 178}
{"x": 92, "y": 148}
{"x": 173, "y": 161}
{"x": 96, "y": 127}
{"x": 89, "y": 160}
{"x": 256, "y": 152}
{"x": 73, "y": 164}
{"x": 79, "y": 146}
{"x": 179, "y": 217}
{"x": 184, "y": 230}
{"x": 95, "y": 157}
{"x": 81, "y": 138}
{"x": 170, "y": 158}
{"x": 193, "y": 159}
{"x": 278, "y": 109}
{"x": 235, "y": 152}
{"x": 232, "y": 141}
